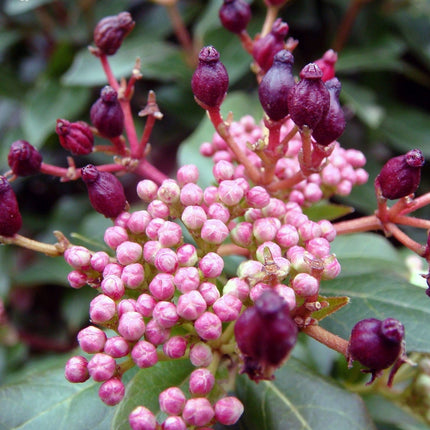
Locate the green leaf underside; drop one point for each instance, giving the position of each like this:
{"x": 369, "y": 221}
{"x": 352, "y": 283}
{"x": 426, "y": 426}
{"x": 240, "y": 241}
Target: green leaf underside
{"x": 299, "y": 399}
{"x": 145, "y": 387}
{"x": 44, "y": 399}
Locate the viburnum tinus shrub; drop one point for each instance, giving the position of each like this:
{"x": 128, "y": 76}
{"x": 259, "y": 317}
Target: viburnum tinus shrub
{"x": 208, "y": 299}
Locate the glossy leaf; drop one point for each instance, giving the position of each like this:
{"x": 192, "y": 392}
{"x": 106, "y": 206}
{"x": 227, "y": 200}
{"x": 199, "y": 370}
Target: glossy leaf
{"x": 299, "y": 398}
{"x": 43, "y": 399}
{"x": 145, "y": 387}
{"x": 326, "y": 210}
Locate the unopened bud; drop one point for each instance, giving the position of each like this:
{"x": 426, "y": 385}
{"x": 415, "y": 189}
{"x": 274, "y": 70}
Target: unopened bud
{"x": 75, "y": 137}
{"x": 10, "y": 217}
{"x": 235, "y": 15}
{"x": 326, "y": 64}
{"x": 24, "y": 159}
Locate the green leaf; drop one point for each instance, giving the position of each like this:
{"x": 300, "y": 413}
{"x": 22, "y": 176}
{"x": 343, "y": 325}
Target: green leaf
{"x": 389, "y": 413}
{"x": 380, "y": 295}
{"x": 362, "y": 101}
{"x": 146, "y": 385}
{"x": 406, "y": 128}
{"x": 299, "y": 398}
{"x": 159, "y": 60}
{"x": 333, "y": 305}
{"x": 189, "y": 152}
{"x": 45, "y": 104}
{"x": 326, "y": 210}
{"x": 43, "y": 399}
{"x": 15, "y": 7}
{"x": 366, "y": 253}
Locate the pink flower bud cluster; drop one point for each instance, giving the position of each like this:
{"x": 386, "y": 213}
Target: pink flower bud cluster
{"x": 342, "y": 171}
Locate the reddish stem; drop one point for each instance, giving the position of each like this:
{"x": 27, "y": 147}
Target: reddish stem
{"x": 411, "y": 221}
{"x": 405, "y": 239}
{"x": 271, "y": 15}
{"x": 327, "y": 338}
{"x": 232, "y": 249}
{"x": 246, "y": 41}
{"x": 367, "y": 223}
{"x": 148, "y": 171}
{"x": 108, "y": 72}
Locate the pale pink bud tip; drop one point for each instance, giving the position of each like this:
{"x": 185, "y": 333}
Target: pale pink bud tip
{"x": 198, "y": 412}
{"x": 228, "y": 410}
{"x": 142, "y": 418}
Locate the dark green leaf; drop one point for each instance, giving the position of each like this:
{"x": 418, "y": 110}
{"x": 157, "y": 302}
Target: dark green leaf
{"x": 326, "y": 210}
{"x": 299, "y": 398}
{"x": 385, "y": 412}
{"x": 145, "y": 387}
{"x": 48, "y": 102}
{"x": 43, "y": 399}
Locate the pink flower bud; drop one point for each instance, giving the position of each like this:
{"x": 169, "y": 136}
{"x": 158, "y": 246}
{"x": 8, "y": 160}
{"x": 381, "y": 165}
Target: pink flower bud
{"x": 210, "y": 79}
{"x": 162, "y": 286}
{"x": 76, "y": 369}
{"x": 175, "y": 347}
{"x": 187, "y": 174}
{"x": 122, "y": 219}
{"x": 112, "y": 269}
{"x": 77, "y": 279}
{"x": 166, "y": 260}
{"x": 170, "y": 234}
{"x": 194, "y": 217}
{"x": 201, "y": 382}
{"x": 145, "y": 304}
{"x": 138, "y": 221}
{"x": 172, "y": 401}
{"x": 153, "y": 226}
{"x": 223, "y": 170}
{"x": 227, "y": 307}
{"x": 287, "y": 293}
{"x": 24, "y": 159}
{"x": 106, "y": 113}
{"x": 150, "y": 249}
{"x": 211, "y": 265}
{"x": 236, "y": 287}
{"x": 210, "y": 195}
{"x": 144, "y": 354}
{"x": 191, "y": 195}
{"x": 265, "y": 229}
{"x": 257, "y": 197}
{"x": 249, "y": 269}
{"x": 110, "y": 32}
{"x": 173, "y": 423}
{"x": 128, "y": 253}
{"x": 309, "y": 230}
{"x": 331, "y": 267}
{"x": 116, "y": 347}
{"x": 131, "y": 326}
{"x": 187, "y": 255}
{"x": 228, "y": 410}
{"x": 114, "y": 236}
{"x": 147, "y": 190}
{"x": 287, "y": 236}
{"x": 156, "y": 334}
{"x": 268, "y": 249}
{"x": 230, "y": 193}
{"x": 101, "y": 367}
{"x": 113, "y": 287}
{"x": 200, "y": 355}
{"x": 198, "y": 411}
{"x": 208, "y": 326}
{"x": 99, "y": 260}
{"x": 158, "y": 209}
{"x": 319, "y": 247}
{"x": 133, "y": 275}
{"x": 305, "y": 285}
{"x": 126, "y": 305}
{"x": 165, "y": 314}
{"x": 102, "y": 309}
{"x": 78, "y": 257}
{"x": 214, "y": 231}
{"x": 105, "y": 191}
{"x": 191, "y": 305}
{"x": 241, "y": 234}
{"x": 187, "y": 279}
{"x": 142, "y": 418}
{"x": 112, "y": 391}
{"x": 91, "y": 339}
{"x": 219, "y": 211}
{"x": 10, "y": 217}
{"x": 326, "y": 64}
{"x": 327, "y": 230}
{"x": 209, "y": 292}
{"x": 75, "y": 137}
{"x": 169, "y": 191}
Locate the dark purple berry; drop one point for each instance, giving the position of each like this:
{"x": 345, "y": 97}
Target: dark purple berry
{"x": 111, "y": 31}
{"x": 265, "y": 48}
{"x": 276, "y": 84}
{"x": 265, "y": 334}
{"x": 235, "y": 15}
{"x": 376, "y": 344}
{"x": 24, "y": 159}
{"x": 105, "y": 191}
{"x": 401, "y": 175}
{"x": 326, "y": 63}
{"x": 10, "y": 217}
{"x": 106, "y": 113}
{"x": 75, "y": 137}
{"x": 333, "y": 123}
{"x": 210, "y": 79}
{"x": 309, "y": 99}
